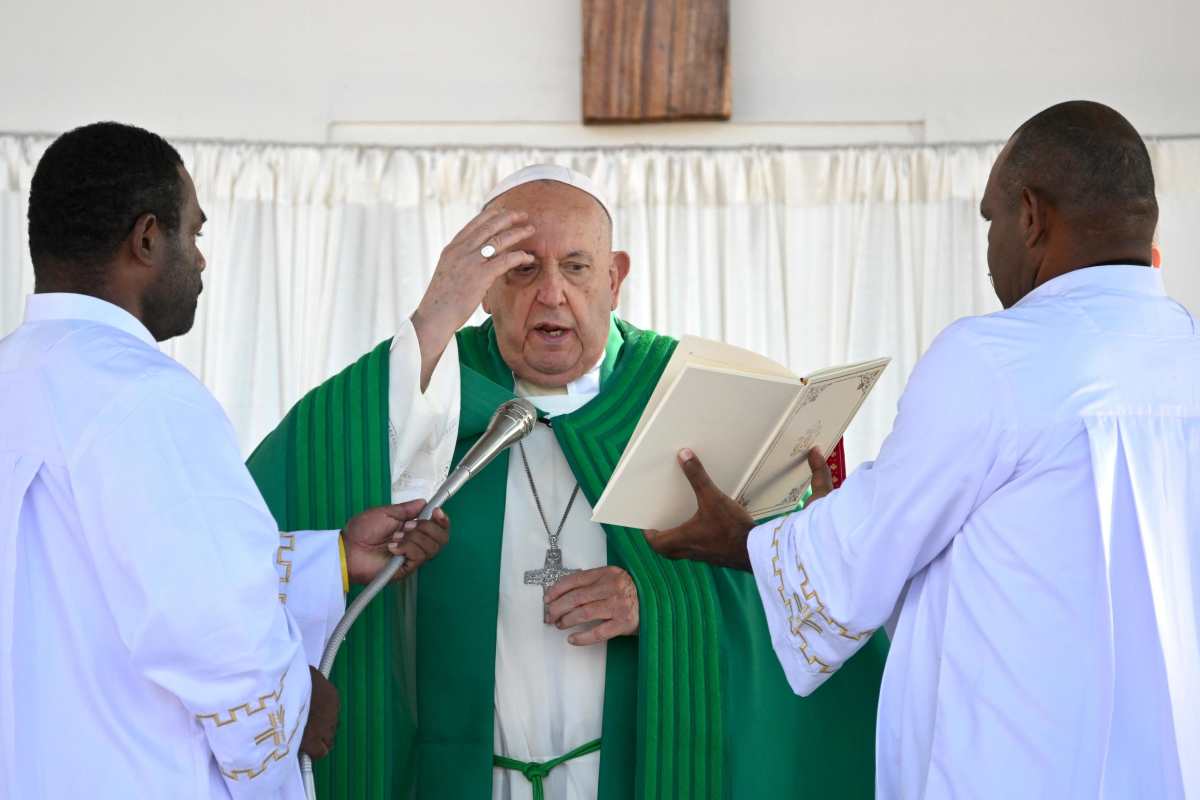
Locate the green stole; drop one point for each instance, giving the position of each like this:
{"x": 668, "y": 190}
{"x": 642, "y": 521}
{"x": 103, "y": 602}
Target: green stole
{"x": 695, "y": 705}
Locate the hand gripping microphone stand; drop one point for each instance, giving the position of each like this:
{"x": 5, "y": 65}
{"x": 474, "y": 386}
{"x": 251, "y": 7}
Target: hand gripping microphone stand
{"x": 512, "y": 422}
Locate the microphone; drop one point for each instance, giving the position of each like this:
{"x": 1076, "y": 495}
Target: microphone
{"x": 512, "y": 422}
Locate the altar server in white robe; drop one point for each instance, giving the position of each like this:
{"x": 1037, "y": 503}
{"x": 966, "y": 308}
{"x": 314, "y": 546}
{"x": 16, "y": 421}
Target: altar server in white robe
{"x": 1031, "y": 526}
{"x": 156, "y": 630}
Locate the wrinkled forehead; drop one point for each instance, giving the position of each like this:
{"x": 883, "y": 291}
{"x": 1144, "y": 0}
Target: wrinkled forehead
{"x": 559, "y": 208}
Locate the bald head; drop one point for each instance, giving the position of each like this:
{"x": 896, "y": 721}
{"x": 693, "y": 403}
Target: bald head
{"x": 1072, "y": 188}
{"x": 1088, "y": 162}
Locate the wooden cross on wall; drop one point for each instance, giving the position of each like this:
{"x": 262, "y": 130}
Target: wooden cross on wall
{"x": 655, "y": 60}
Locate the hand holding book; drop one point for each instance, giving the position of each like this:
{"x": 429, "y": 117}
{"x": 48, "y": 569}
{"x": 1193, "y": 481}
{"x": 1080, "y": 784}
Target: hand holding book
{"x": 752, "y": 420}
{"x": 717, "y": 532}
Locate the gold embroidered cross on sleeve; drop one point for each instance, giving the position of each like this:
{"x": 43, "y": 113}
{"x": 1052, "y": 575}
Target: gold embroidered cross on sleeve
{"x": 282, "y": 746}
{"x": 274, "y": 733}
{"x": 805, "y": 609}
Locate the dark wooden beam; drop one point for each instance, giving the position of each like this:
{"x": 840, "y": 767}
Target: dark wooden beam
{"x": 655, "y": 60}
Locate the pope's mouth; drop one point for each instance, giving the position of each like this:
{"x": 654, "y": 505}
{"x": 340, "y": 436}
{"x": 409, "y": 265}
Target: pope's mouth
{"x": 548, "y": 331}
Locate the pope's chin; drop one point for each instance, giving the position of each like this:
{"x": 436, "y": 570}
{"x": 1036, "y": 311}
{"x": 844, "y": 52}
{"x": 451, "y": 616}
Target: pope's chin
{"x": 552, "y": 361}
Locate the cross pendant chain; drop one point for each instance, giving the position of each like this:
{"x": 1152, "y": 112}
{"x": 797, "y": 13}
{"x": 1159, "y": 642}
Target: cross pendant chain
{"x": 550, "y": 573}
{"x": 552, "y": 569}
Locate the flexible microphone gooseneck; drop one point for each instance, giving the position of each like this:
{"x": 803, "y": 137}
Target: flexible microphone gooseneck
{"x": 512, "y": 422}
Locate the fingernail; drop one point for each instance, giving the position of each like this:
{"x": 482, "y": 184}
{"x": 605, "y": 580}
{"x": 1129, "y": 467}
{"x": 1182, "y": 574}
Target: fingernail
{"x": 686, "y": 454}
{"x": 410, "y": 525}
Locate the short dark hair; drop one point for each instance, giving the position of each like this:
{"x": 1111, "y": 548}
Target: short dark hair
{"x": 89, "y": 188}
{"x": 1090, "y": 163}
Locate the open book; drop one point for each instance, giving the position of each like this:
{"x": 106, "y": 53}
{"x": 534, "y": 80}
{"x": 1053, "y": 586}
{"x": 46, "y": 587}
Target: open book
{"x": 751, "y": 422}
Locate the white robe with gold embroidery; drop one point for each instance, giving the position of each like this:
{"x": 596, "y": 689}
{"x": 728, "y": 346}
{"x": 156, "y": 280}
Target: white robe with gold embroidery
{"x": 1034, "y": 522}
{"x": 144, "y": 650}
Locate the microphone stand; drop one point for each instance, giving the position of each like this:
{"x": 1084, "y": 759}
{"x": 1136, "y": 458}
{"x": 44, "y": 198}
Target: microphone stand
{"x": 517, "y": 418}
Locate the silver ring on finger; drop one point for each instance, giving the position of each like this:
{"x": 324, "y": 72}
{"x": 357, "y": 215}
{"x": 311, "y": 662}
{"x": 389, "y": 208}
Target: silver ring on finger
{"x": 487, "y": 251}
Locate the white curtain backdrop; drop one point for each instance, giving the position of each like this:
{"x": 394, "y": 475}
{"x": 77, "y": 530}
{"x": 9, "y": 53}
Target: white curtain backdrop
{"x": 813, "y": 257}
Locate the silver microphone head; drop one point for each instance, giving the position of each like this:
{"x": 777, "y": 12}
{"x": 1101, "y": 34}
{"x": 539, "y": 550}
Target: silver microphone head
{"x": 512, "y": 422}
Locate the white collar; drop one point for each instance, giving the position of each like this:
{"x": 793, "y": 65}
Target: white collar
{"x": 1131, "y": 278}
{"x": 65, "y": 305}
{"x": 579, "y": 392}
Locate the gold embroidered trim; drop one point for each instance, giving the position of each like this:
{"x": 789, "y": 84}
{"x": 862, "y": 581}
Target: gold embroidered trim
{"x": 273, "y": 697}
{"x": 275, "y": 734}
{"x": 287, "y": 543}
{"x": 806, "y": 609}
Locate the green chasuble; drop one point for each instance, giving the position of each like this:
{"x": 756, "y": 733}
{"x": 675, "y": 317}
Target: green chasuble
{"x": 695, "y": 705}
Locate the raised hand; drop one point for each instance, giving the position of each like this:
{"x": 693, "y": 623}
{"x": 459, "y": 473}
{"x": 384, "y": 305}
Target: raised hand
{"x": 463, "y": 276}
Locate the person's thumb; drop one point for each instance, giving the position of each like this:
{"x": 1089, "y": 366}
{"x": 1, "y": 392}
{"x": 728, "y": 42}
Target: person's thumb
{"x": 697, "y": 476}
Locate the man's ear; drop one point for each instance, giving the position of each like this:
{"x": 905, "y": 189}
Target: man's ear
{"x": 145, "y": 240}
{"x": 487, "y": 307}
{"x": 1032, "y": 219}
{"x": 618, "y": 273}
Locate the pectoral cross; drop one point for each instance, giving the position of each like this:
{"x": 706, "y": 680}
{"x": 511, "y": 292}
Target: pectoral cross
{"x": 550, "y": 573}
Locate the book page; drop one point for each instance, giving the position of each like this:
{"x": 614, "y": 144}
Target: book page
{"x": 723, "y": 415}
{"x": 819, "y": 417}
{"x": 695, "y": 350}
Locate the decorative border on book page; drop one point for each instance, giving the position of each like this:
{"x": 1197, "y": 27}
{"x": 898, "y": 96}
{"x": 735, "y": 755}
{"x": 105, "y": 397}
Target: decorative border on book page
{"x": 812, "y": 436}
